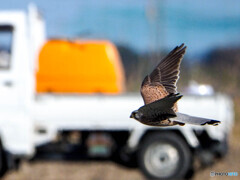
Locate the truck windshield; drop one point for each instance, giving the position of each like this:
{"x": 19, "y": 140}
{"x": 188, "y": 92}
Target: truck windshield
{"x": 6, "y": 32}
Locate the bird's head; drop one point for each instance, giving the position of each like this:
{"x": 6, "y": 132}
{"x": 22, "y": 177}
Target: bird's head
{"x": 136, "y": 115}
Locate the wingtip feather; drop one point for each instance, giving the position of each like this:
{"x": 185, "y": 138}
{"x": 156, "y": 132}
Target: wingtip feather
{"x": 182, "y": 46}
{"x": 212, "y": 122}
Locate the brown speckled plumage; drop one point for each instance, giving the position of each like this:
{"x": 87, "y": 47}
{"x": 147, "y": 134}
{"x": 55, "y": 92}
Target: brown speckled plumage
{"x": 162, "y": 81}
{"x": 153, "y": 93}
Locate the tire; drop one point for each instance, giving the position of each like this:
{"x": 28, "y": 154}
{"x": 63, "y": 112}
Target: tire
{"x": 164, "y": 155}
{"x": 3, "y": 161}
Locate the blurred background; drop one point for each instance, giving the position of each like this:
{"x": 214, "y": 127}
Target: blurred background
{"x": 144, "y": 31}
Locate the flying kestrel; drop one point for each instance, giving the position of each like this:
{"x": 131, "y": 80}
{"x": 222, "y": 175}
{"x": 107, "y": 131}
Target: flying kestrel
{"x": 160, "y": 95}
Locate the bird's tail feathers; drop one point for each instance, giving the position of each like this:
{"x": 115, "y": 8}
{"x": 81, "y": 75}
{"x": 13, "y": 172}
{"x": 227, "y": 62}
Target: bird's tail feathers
{"x": 184, "y": 118}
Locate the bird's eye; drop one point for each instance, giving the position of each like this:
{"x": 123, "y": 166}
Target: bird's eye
{"x": 137, "y": 116}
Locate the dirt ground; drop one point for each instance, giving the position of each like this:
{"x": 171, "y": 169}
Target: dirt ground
{"x": 106, "y": 170}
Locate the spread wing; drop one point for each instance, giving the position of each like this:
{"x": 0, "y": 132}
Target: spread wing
{"x": 162, "y": 81}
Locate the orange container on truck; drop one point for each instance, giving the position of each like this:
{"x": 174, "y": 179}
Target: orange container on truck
{"x": 79, "y": 67}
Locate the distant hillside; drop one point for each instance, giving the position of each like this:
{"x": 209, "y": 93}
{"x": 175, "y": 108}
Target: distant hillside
{"x": 222, "y": 69}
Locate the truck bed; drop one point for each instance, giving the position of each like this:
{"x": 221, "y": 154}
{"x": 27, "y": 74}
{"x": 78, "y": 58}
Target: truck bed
{"x": 86, "y": 111}
{"x": 113, "y": 111}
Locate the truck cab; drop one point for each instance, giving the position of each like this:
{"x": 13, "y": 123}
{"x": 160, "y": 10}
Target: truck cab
{"x": 16, "y": 81}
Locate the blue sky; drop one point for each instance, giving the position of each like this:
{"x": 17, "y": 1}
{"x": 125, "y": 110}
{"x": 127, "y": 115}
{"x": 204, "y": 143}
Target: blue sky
{"x": 143, "y": 24}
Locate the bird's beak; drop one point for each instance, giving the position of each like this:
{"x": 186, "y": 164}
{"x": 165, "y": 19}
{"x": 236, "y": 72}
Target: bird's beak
{"x": 131, "y": 116}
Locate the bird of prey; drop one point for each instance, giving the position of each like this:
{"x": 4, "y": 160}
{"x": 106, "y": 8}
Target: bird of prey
{"x": 160, "y": 95}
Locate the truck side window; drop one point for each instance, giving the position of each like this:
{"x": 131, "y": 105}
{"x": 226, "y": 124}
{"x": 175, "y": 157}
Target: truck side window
{"x": 6, "y": 32}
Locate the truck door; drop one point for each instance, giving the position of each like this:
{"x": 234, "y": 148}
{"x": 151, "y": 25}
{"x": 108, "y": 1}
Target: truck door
{"x": 16, "y": 129}
{"x": 8, "y": 88}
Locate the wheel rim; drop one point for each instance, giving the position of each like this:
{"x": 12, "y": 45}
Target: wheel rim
{"x": 161, "y": 159}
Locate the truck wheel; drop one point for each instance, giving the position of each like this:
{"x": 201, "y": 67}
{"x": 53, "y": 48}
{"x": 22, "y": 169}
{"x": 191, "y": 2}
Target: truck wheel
{"x": 164, "y": 156}
{"x": 3, "y": 162}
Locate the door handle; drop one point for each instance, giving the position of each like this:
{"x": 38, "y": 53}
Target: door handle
{"x": 8, "y": 83}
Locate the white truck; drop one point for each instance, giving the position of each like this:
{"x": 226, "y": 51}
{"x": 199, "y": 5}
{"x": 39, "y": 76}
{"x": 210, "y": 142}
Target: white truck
{"x": 95, "y": 125}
